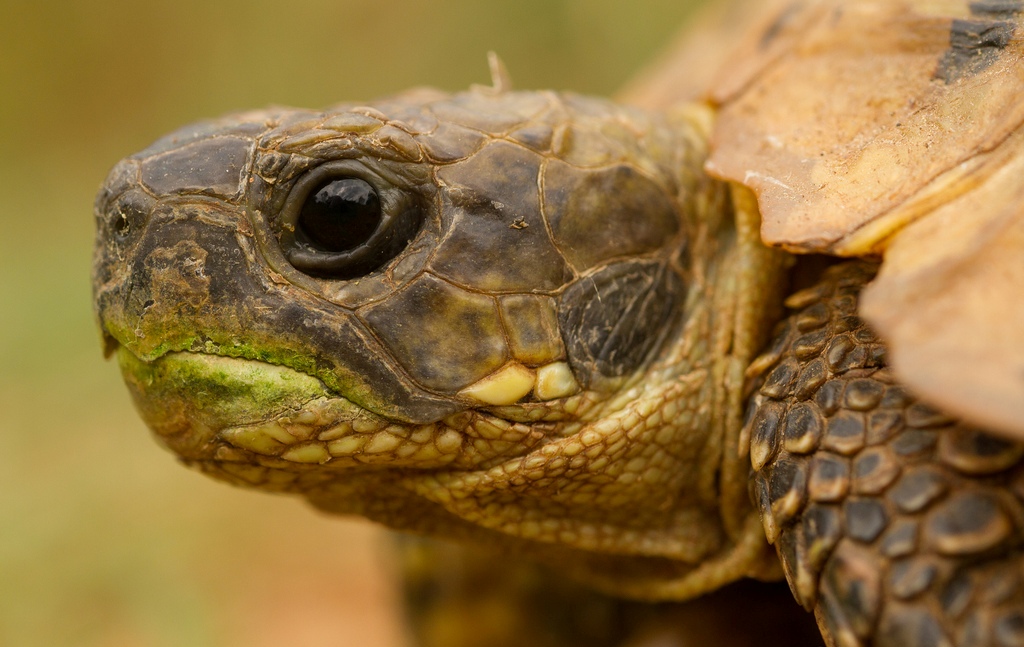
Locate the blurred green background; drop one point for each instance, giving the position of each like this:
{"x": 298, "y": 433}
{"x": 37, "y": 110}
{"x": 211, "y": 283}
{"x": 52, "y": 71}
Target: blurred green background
{"x": 104, "y": 540}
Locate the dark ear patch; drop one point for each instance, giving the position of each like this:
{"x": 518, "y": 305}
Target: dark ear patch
{"x": 611, "y": 320}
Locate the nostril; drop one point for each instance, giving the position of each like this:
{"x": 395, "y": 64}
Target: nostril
{"x": 122, "y": 225}
{"x": 129, "y": 213}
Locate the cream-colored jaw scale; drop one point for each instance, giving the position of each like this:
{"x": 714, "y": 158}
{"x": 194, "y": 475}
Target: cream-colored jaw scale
{"x": 555, "y": 380}
{"x": 506, "y": 386}
{"x": 894, "y": 129}
{"x": 514, "y": 381}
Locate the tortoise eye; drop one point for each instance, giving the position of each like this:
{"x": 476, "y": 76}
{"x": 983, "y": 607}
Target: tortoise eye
{"x": 339, "y": 215}
{"x": 337, "y": 225}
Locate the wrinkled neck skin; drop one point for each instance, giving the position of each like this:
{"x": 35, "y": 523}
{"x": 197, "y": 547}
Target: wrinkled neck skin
{"x": 553, "y": 365}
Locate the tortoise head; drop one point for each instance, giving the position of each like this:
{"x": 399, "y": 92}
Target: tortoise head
{"x": 360, "y": 303}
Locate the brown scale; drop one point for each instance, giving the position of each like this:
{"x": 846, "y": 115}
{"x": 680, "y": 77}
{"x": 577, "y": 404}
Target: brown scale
{"x": 896, "y": 524}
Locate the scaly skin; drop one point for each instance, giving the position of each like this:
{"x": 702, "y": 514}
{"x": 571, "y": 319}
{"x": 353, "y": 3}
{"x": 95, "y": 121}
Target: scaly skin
{"x": 553, "y": 365}
{"x": 897, "y": 525}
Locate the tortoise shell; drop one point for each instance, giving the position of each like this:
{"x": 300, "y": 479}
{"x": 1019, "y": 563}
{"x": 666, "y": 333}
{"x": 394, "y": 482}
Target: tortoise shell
{"x": 885, "y": 129}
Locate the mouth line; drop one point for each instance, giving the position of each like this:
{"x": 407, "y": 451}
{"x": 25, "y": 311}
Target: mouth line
{"x": 231, "y": 361}
{"x": 226, "y": 390}
{"x": 273, "y": 411}
{"x": 205, "y": 347}
{"x": 201, "y": 403}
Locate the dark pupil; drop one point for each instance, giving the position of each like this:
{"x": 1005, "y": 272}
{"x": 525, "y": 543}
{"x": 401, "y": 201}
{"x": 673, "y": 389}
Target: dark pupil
{"x": 340, "y": 215}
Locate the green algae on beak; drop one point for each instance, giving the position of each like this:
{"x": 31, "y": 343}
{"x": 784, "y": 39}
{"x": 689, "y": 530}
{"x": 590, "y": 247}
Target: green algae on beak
{"x": 187, "y": 398}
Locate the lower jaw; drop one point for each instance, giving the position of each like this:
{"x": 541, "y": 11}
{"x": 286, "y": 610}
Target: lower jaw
{"x": 222, "y": 410}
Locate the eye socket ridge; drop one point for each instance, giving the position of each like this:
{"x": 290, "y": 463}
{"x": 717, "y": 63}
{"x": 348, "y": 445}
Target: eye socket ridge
{"x": 342, "y": 221}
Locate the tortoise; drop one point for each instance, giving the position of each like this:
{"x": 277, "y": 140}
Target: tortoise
{"x": 774, "y": 332}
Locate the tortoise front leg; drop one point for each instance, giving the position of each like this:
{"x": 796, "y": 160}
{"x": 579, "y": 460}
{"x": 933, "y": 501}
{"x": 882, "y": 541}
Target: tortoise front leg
{"x": 897, "y": 525}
